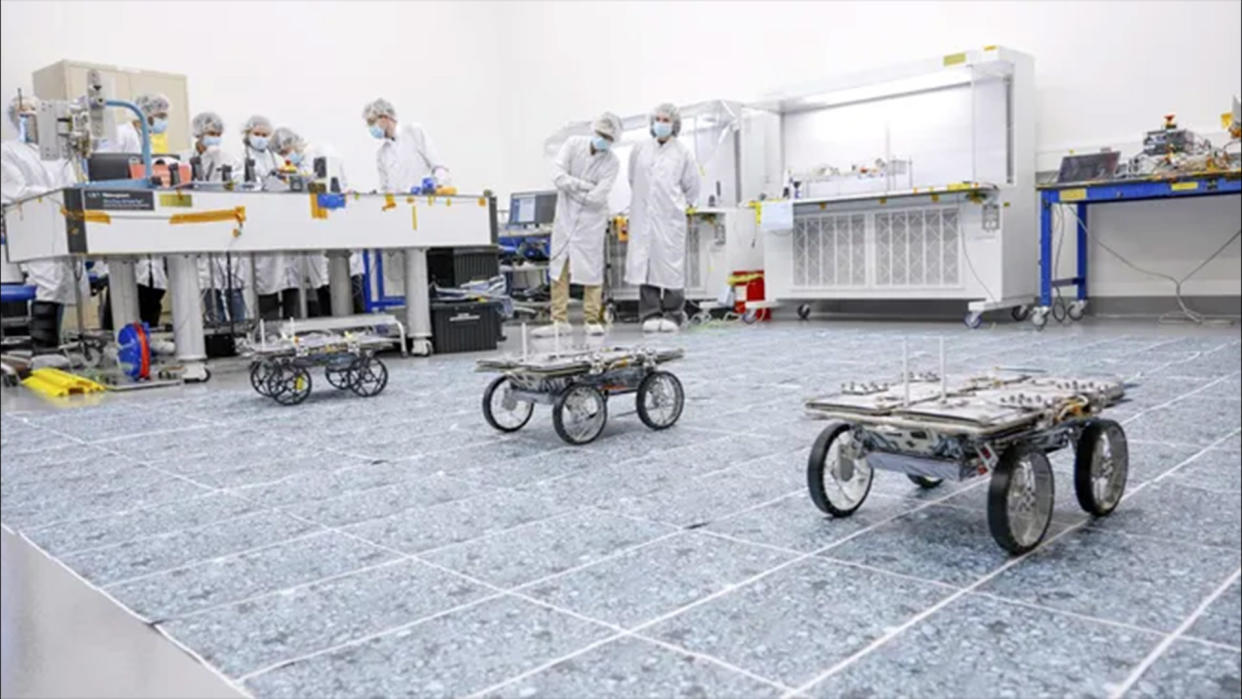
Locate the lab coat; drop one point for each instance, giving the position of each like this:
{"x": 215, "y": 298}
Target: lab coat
{"x": 274, "y": 272}
{"x": 26, "y": 175}
{"x": 148, "y": 269}
{"x": 583, "y": 181}
{"x": 403, "y": 162}
{"x": 664, "y": 182}
{"x": 216, "y": 271}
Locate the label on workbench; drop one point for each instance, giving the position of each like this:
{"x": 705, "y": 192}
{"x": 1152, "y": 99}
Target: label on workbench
{"x": 1073, "y": 194}
{"x": 100, "y": 200}
{"x": 1184, "y": 186}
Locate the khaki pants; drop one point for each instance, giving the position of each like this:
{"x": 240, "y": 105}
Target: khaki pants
{"x": 591, "y": 295}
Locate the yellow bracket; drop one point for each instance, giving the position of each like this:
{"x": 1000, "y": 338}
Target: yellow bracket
{"x": 390, "y": 202}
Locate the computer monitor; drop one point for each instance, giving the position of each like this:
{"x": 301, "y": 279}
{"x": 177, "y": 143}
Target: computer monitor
{"x": 532, "y": 208}
{"x": 115, "y": 166}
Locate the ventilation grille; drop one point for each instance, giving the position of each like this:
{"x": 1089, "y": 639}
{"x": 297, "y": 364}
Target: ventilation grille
{"x": 917, "y": 247}
{"x": 830, "y": 251}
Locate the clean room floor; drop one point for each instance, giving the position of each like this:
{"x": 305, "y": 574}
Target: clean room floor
{"x": 397, "y": 546}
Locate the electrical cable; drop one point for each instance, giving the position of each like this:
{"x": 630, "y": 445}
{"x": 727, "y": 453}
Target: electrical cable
{"x": 1185, "y": 313}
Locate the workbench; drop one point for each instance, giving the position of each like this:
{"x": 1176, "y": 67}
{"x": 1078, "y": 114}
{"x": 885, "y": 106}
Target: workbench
{"x": 1082, "y": 195}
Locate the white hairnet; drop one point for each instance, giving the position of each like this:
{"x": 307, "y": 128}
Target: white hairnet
{"x": 29, "y": 102}
{"x": 379, "y": 108}
{"x": 670, "y": 110}
{"x": 151, "y": 104}
{"x": 257, "y": 121}
{"x": 284, "y": 138}
{"x": 608, "y": 124}
{"x": 207, "y": 121}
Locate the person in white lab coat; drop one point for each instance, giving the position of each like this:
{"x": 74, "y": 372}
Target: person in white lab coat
{"x": 584, "y": 172}
{"x": 406, "y": 155}
{"x": 403, "y": 160}
{"x": 296, "y": 151}
{"x": 277, "y": 288}
{"x": 149, "y": 269}
{"x": 221, "y": 277}
{"x": 25, "y": 175}
{"x": 664, "y": 182}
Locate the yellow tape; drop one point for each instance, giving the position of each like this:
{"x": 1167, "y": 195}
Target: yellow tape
{"x": 317, "y": 211}
{"x": 1073, "y": 194}
{"x": 409, "y": 200}
{"x": 431, "y": 201}
{"x": 935, "y": 197}
{"x": 92, "y": 216}
{"x": 177, "y": 199}
{"x": 961, "y": 186}
{"x": 1184, "y": 186}
{"x": 390, "y": 202}
{"x": 1226, "y": 120}
{"x": 414, "y": 216}
{"x": 954, "y": 59}
{"x": 482, "y": 201}
{"x": 990, "y": 47}
{"x": 237, "y": 213}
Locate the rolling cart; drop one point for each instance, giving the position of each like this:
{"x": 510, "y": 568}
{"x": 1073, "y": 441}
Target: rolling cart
{"x": 578, "y": 384}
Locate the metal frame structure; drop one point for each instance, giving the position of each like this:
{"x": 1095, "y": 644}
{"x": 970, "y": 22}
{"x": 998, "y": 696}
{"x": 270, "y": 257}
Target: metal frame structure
{"x": 281, "y": 370}
{"x": 1085, "y": 194}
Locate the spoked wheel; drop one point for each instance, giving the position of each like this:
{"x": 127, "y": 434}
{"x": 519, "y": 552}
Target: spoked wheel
{"x": 660, "y": 400}
{"x": 1020, "y": 499}
{"x": 925, "y": 482}
{"x": 368, "y": 376}
{"x": 1101, "y": 466}
{"x": 579, "y": 414}
{"x": 260, "y": 372}
{"x": 289, "y": 384}
{"x": 502, "y": 409}
{"x": 339, "y": 374}
{"x": 838, "y": 477}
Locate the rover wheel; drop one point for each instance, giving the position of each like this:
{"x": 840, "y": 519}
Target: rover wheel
{"x": 660, "y": 400}
{"x": 502, "y": 409}
{"x": 1101, "y": 466}
{"x": 368, "y": 376}
{"x": 839, "y": 479}
{"x": 1020, "y": 499}
{"x": 579, "y": 414}
{"x": 289, "y": 384}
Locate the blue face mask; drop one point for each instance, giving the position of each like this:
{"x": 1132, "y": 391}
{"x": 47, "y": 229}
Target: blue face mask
{"x": 159, "y": 126}
{"x": 294, "y": 157}
{"x": 662, "y": 129}
{"x": 211, "y": 141}
{"x": 377, "y": 131}
{"x": 601, "y": 143}
{"x": 258, "y": 142}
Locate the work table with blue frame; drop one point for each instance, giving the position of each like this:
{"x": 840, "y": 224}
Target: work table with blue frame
{"x": 1084, "y": 194}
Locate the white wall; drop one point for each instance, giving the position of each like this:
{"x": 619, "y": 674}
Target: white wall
{"x": 311, "y": 66}
{"x": 490, "y": 81}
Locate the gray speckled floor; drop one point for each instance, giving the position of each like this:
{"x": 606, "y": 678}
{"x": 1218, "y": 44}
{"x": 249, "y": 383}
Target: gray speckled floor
{"x": 398, "y": 546}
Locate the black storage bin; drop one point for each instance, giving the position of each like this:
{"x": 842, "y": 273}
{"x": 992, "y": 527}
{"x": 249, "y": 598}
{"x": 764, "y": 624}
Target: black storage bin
{"x": 452, "y": 267}
{"x": 464, "y": 326}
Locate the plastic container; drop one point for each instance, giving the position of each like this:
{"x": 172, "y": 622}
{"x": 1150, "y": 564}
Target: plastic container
{"x": 464, "y": 326}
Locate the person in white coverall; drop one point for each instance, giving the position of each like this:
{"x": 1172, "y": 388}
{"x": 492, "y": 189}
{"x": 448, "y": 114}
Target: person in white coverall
{"x": 222, "y": 277}
{"x": 405, "y": 157}
{"x": 278, "y": 290}
{"x": 664, "y": 182}
{"x": 584, "y": 172}
{"x": 26, "y": 175}
{"x": 296, "y": 151}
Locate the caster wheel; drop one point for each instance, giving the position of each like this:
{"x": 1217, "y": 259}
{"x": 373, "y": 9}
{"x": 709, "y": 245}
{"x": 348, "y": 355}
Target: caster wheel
{"x": 579, "y": 414}
{"x": 750, "y": 316}
{"x": 610, "y": 314}
{"x": 1076, "y": 311}
{"x": 502, "y": 410}
{"x": 1020, "y": 313}
{"x": 1039, "y": 319}
{"x": 368, "y": 377}
{"x": 289, "y": 384}
{"x": 838, "y": 477}
{"x": 925, "y": 482}
{"x": 804, "y": 311}
{"x": 1020, "y": 499}
{"x": 1101, "y": 465}
{"x": 974, "y": 320}
{"x": 660, "y": 400}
